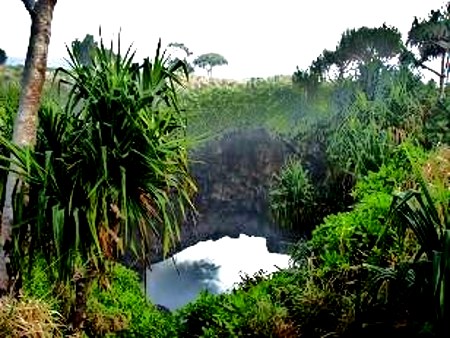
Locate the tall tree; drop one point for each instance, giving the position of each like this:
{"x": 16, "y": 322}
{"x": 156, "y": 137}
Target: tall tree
{"x": 3, "y": 57}
{"x": 360, "y": 47}
{"x": 209, "y": 61}
{"x": 25, "y": 124}
{"x": 432, "y": 37}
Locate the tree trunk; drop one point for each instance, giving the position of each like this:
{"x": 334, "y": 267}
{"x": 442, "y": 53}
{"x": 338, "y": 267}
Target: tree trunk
{"x": 442, "y": 77}
{"x": 25, "y": 124}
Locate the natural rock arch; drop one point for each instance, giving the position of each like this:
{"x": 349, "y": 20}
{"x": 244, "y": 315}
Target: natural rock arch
{"x": 233, "y": 174}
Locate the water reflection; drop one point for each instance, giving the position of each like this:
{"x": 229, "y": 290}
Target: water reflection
{"x": 174, "y": 284}
{"x": 211, "y": 265}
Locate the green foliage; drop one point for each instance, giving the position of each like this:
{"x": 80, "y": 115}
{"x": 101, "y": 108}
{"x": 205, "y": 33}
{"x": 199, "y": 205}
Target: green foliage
{"x": 368, "y": 44}
{"x": 37, "y": 284}
{"x": 292, "y": 196}
{"x": 430, "y": 35}
{"x": 308, "y": 80}
{"x": 9, "y": 103}
{"x": 437, "y": 125}
{"x": 360, "y": 47}
{"x": 364, "y": 233}
{"x": 430, "y": 224}
{"x": 370, "y": 126}
{"x": 248, "y": 312}
{"x": 276, "y": 105}
{"x": 395, "y": 175}
{"x": 122, "y": 309}
{"x": 109, "y": 172}
{"x": 350, "y": 238}
{"x": 360, "y": 147}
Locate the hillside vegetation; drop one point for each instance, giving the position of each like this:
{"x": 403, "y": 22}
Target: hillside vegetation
{"x": 368, "y": 190}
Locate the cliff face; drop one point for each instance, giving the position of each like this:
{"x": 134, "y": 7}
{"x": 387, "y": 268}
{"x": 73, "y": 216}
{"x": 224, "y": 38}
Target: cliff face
{"x": 233, "y": 175}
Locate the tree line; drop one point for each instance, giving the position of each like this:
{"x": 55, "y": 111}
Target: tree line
{"x": 362, "y": 50}
{"x": 85, "y": 49}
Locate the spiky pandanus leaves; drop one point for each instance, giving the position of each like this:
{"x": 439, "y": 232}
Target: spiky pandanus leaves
{"x": 109, "y": 172}
{"x": 292, "y": 196}
{"x": 417, "y": 211}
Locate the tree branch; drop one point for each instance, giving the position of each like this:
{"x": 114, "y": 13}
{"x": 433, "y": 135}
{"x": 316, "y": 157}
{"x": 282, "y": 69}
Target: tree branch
{"x": 422, "y": 65}
{"x": 29, "y": 5}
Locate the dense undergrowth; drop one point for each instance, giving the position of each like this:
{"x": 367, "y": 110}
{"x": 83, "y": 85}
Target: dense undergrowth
{"x": 368, "y": 187}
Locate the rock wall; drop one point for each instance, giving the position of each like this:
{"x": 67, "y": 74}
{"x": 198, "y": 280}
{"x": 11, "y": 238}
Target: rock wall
{"x": 233, "y": 175}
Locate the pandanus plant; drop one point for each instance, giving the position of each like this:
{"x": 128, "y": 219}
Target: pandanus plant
{"x": 109, "y": 172}
{"x": 430, "y": 224}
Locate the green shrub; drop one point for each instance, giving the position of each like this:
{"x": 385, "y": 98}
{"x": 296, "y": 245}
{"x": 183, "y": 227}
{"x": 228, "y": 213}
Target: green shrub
{"x": 123, "y": 309}
{"x": 437, "y": 124}
{"x": 277, "y": 105}
{"x": 109, "y": 169}
{"x": 395, "y": 174}
{"x": 37, "y": 284}
{"x": 350, "y": 238}
{"x": 360, "y": 146}
{"x": 292, "y": 196}
{"x": 253, "y": 311}
{"x": 120, "y": 309}
{"x": 364, "y": 233}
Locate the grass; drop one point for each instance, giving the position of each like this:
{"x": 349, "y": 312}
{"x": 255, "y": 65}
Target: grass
{"x": 28, "y": 318}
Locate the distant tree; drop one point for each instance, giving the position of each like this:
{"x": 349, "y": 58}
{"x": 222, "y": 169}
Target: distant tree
{"x": 181, "y": 46}
{"x": 177, "y": 46}
{"x": 432, "y": 37}
{"x": 308, "y": 80}
{"x": 3, "y": 57}
{"x": 359, "y": 48}
{"x": 25, "y": 124}
{"x": 84, "y": 50}
{"x": 209, "y": 61}
{"x": 321, "y": 66}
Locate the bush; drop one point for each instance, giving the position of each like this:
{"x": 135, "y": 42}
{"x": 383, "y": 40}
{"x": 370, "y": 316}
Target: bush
{"x": 350, "y": 238}
{"x": 437, "y": 124}
{"x": 124, "y": 310}
{"x": 292, "y": 196}
{"x": 396, "y": 174}
{"x": 364, "y": 233}
{"x": 37, "y": 284}
{"x": 251, "y": 311}
{"x": 360, "y": 146}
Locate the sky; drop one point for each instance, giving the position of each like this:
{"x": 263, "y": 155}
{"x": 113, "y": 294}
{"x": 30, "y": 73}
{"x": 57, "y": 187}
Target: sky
{"x": 259, "y": 38}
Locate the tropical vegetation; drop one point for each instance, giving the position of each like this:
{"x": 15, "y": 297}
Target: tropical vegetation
{"x": 104, "y": 178}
